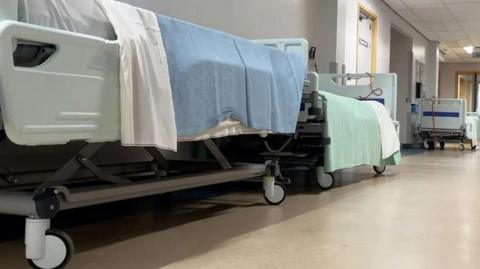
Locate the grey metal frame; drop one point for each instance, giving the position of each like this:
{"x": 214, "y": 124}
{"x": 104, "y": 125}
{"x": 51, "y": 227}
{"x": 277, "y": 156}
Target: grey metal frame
{"x": 54, "y": 194}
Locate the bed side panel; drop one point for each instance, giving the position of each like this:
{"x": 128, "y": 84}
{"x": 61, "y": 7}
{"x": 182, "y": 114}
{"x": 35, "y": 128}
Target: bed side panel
{"x": 74, "y": 95}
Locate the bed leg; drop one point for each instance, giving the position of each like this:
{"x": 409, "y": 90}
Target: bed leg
{"x": 274, "y": 192}
{"x": 45, "y": 247}
{"x": 35, "y": 235}
{"x": 269, "y": 185}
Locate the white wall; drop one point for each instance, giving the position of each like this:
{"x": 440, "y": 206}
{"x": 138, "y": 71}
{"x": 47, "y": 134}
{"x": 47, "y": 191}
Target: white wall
{"x": 386, "y": 18}
{"x": 330, "y": 25}
{"x": 447, "y": 76}
{"x": 314, "y": 20}
{"x": 432, "y": 69}
{"x": 400, "y": 63}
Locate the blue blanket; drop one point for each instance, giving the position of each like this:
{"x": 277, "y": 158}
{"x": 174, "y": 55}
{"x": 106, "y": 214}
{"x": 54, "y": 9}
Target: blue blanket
{"x": 217, "y": 76}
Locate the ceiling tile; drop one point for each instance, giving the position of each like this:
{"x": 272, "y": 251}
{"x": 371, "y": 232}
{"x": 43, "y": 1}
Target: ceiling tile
{"x": 437, "y": 26}
{"x": 408, "y": 15}
{"x": 452, "y": 26}
{"x": 421, "y": 26}
{"x": 458, "y": 1}
{"x": 474, "y": 35}
{"x": 431, "y": 36}
{"x": 396, "y": 4}
{"x": 450, "y": 43}
{"x": 442, "y": 46}
{"x": 434, "y": 14}
{"x": 470, "y": 24}
{"x": 454, "y": 36}
{"x": 465, "y": 11}
{"x": 423, "y": 3}
{"x": 452, "y": 57}
{"x": 454, "y": 23}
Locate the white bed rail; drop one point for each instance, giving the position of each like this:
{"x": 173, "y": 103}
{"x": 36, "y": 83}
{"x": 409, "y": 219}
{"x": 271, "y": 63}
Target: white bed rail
{"x": 300, "y": 47}
{"x": 447, "y": 114}
{"x": 297, "y": 46}
{"x": 73, "y": 95}
{"x": 386, "y": 82}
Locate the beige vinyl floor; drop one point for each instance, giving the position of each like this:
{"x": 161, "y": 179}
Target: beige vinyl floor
{"x": 422, "y": 214}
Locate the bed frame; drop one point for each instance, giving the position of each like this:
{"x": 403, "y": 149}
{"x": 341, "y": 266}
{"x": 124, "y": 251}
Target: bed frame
{"x": 72, "y": 96}
{"x": 442, "y": 120}
{"x": 357, "y": 86}
{"x": 306, "y": 148}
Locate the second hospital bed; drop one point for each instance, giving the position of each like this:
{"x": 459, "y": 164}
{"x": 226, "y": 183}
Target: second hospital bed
{"x": 444, "y": 121}
{"x": 337, "y": 131}
{"x": 61, "y": 87}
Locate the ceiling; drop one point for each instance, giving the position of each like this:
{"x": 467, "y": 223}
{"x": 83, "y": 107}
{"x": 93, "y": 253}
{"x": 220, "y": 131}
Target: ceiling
{"x": 455, "y": 23}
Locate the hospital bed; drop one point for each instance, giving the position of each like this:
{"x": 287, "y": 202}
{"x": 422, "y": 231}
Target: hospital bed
{"x": 313, "y": 134}
{"x": 308, "y": 148}
{"x": 446, "y": 120}
{"x": 60, "y": 87}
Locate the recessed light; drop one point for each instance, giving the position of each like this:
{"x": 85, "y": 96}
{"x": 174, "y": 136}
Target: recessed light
{"x": 469, "y": 49}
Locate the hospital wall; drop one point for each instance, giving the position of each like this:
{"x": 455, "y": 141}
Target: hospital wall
{"x": 400, "y": 64}
{"x": 314, "y": 20}
{"x": 330, "y": 25}
{"x": 448, "y": 76}
{"x": 423, "y": 50}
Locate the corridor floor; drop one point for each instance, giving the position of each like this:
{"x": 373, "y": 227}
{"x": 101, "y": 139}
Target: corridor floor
{"x": 422, "y": 214}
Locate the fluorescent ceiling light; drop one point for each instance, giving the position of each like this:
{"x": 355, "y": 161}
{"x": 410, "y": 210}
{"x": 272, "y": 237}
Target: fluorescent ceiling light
{"x": 469, "y": 49}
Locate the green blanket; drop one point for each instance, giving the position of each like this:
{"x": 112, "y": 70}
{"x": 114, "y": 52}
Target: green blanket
{"x": 355, "y": 135}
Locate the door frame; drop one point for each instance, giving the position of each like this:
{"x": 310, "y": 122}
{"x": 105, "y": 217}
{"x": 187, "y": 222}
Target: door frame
{"x": 365, "y": 10}
{"x": 476, "y": 81}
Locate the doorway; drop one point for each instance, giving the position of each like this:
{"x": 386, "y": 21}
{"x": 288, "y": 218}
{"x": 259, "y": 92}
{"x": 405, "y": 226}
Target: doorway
{"x": 467, "y": 89}
{"x": 367, "y": 41}
{"x": 402, "y": 63}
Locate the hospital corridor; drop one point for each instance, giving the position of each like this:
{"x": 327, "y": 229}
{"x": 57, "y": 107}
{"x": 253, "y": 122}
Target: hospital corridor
{"x": 421, "y": 215}
{"x": 338, "y": 134}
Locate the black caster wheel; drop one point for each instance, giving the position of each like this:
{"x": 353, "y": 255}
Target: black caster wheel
{"x": 279, "y": 194}
{"x": 462, "y": 147}
{"x": 429, "y": 145}
{"x": 425, "y": 145}
{"x": 380, "y": 169}
{"x": 442, "y": 145}
{"x": 326, "y": 181}
{"x": 58, "y": 251}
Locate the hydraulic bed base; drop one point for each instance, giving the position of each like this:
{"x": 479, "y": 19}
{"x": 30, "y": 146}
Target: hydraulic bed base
{"x": 62, "y": 190}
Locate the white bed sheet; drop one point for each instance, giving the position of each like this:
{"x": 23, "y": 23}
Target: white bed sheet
{"x": 389, "y": 135}
{"x": 224, "y": 129}
{"x": 79, "y": 16}
{"x": 472, "y": 124}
